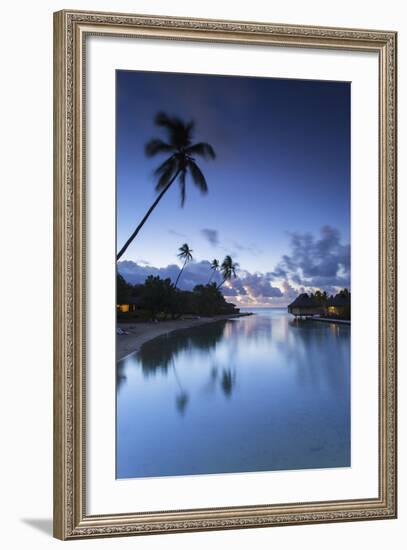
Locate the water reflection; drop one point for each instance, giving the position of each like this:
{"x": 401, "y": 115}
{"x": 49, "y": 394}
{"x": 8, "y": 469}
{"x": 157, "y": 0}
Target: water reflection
{"x": 228, "y": 381}
{"x": 120, "y": 376}
{"x": 250, "y": 394}
{"x": 160, "y": 353}
{"x": 181, "y": 399}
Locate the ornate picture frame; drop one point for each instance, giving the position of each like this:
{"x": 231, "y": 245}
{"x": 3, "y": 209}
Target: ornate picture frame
{"x": 71, "y": 519}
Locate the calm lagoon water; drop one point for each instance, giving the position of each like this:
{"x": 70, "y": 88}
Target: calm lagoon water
{"x": 252, "y": 394}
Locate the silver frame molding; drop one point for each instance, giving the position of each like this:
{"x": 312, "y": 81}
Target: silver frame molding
{"x": 70, "y": 518}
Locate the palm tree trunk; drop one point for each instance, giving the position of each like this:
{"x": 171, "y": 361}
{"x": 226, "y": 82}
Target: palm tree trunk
{"x": 218, "y": 287}
{"x": 143, "y": 221}
{"x": 176, "y": 377}
{"x": 180, "y": 273}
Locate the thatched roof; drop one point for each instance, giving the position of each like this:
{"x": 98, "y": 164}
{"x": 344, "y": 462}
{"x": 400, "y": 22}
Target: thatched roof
{"x": 304, "y": 301}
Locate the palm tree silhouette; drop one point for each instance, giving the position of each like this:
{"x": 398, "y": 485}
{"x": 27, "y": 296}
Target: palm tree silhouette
{"x": 181, "y": 400}
{"x": 214, "y": 267}
{"x": 185, "y": 253}
{"x": 180, "y": 162}
{"x": 228, "y": 270}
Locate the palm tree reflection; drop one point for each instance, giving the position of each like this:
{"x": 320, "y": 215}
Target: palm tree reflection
{"x": 158, "y": 354}
{"x": 228, "y": 381}
{"x": 120, "y": 375}
{"x": 170, "y": 355}
{"x": 181, "y": 400}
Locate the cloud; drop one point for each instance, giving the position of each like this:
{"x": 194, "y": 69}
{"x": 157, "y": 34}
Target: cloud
{"x": 314, "y": 263}
{"x": 211, "y": 235}
{"x": 258, "y": 285}
{"x": 234, "y": 287}
{"x": 254, "y": 287}
{"x": 288, "y": 294}
{"x": 194, "y": 274}
{"x": 251, "y": 249}
{"x": 135, "y": 273}
{"x": 176, "y": 233}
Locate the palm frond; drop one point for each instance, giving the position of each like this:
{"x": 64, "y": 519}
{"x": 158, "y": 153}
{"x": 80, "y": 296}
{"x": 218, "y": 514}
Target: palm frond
{"x": 185, "y": 253}
{"x": 227, "y": 262}
{"x": 198, "y": 177}
{"x": 155, "y": 146}
{"x": 162, "y": 119}
{"x": 228, "y": 268}
{"x": 189, "y": 132}
{"x": 181, "y": 180}
{"x": 179, "y": 133}
{"x": 165, "y": 171}
{"x": 233, "y": 270}
{"x": 166, "y": 165}
{"x": 178, "y": 145}
{"x": 203, "y": 149}
{"x": 164, "y": 180}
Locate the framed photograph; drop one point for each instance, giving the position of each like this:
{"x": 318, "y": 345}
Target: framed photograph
{"x": 225, "y": 274}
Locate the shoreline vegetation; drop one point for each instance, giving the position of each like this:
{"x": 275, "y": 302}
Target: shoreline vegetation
{"x": 157, "y": 307}
{"x": 131, "y": 336}
{"x": 160, "y": 299}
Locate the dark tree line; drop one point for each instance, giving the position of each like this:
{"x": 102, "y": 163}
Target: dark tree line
{"x": 159, "y": 296}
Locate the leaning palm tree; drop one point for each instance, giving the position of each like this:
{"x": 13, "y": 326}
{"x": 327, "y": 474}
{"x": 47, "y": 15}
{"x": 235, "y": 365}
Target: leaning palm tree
{"x": 185, "y": 253}
{"x": 228, "y": 270}
{"x": 180, "y": 162}
{"x": 214, "y": 267}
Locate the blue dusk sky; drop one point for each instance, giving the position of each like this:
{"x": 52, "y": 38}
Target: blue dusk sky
{"x": 279, "y": 188}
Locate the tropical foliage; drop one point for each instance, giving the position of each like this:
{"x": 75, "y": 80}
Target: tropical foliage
{"x": 185, "y": 253}
{"x": 124, "y": 290}
{"x": 228, "y": 270}
{"x": 215, "y": 265}
{"x": 159, "y": 298}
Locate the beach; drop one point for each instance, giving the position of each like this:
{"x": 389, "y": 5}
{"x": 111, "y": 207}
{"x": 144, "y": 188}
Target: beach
{"x": 139, "y": 333}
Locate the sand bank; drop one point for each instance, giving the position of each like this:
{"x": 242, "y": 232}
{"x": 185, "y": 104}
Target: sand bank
{"x": 140, "y": 333}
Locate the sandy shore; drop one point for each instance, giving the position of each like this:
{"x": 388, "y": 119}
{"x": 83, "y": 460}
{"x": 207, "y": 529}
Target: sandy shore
{"x": 140, "y": 333}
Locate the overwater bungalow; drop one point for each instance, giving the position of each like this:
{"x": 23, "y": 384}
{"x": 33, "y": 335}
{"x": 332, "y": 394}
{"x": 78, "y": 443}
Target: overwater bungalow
{"x": 304, "y": 306}
{"x": 230, "y": 308}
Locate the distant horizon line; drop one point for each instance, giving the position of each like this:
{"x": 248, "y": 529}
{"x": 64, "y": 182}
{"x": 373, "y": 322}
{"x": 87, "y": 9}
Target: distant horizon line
{"x": 261, "y": 307}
